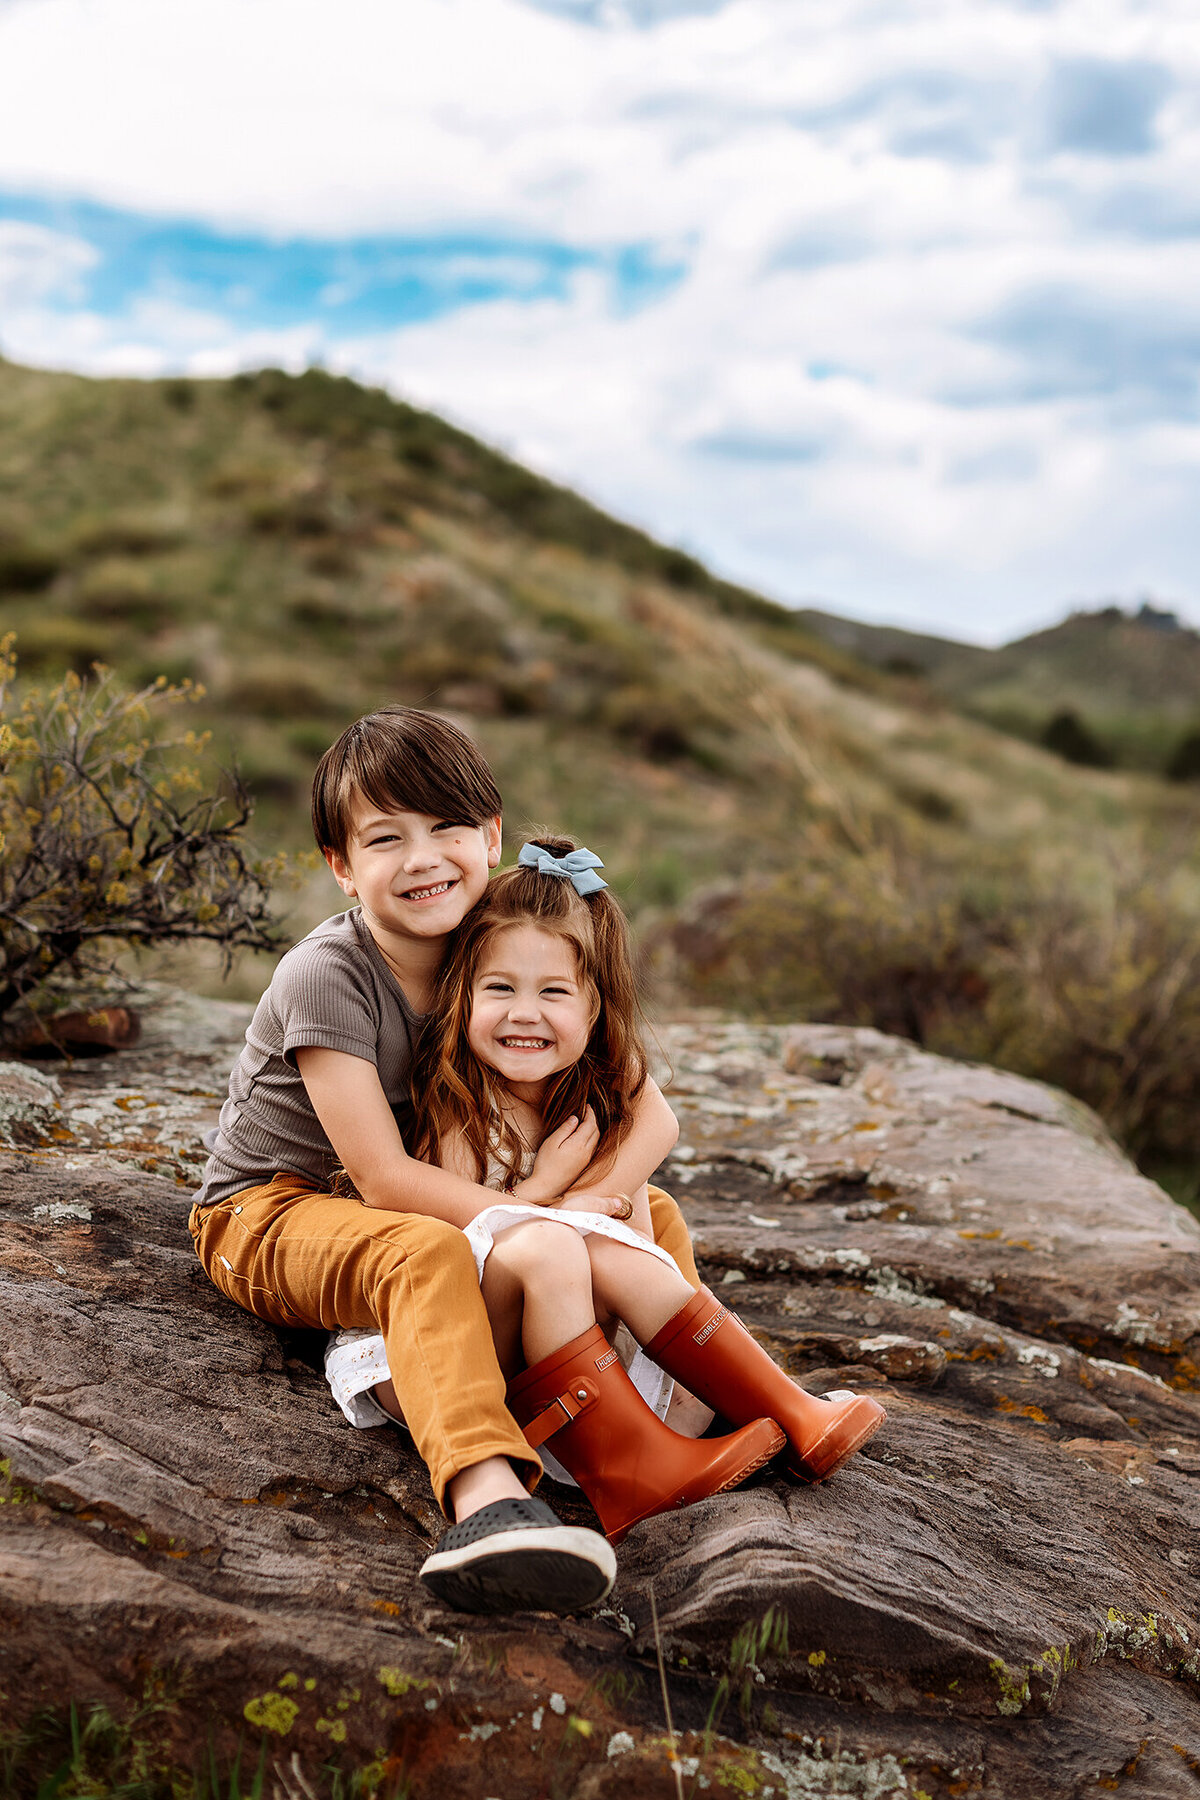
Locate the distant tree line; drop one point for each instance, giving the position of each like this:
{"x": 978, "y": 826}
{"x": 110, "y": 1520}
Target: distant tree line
{"x": 1070, "y": 737}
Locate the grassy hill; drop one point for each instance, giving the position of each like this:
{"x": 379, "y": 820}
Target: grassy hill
{"x": 307, "y": 549}
{"x": 793, "y": 829}
{"x": 1133, "y": 679}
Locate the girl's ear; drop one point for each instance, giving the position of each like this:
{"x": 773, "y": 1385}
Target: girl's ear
{"x": 492, "y": 833}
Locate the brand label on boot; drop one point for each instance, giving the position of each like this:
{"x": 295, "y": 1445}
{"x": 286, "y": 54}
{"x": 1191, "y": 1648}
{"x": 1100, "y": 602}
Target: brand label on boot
{"x": 705, "y": 1332}
{"x": 606, "y": 1362}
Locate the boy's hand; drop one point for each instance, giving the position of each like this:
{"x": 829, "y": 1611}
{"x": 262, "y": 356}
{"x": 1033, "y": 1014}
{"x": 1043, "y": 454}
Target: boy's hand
{"x": 632, "y": 1209}
{"x": 563, "y": 1157}
{"x": 613, "y": 1206}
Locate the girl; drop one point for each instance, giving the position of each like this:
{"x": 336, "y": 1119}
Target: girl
{"x": 529, "y": 1072}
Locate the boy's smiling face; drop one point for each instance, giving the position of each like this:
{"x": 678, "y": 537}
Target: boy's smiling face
{"x": 414, "y": 875}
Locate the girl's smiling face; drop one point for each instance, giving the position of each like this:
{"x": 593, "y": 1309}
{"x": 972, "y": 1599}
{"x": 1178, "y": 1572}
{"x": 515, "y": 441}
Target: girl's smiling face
{"x": 531, "y": 1013}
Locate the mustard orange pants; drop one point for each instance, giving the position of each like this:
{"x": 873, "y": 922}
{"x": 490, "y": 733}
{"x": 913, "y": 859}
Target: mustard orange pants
{"x": 293, "y": 1255}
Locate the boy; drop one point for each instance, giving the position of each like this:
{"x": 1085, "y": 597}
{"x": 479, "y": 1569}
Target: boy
{"x": 407, "y": 815}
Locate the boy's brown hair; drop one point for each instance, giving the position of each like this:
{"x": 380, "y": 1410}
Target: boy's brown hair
{"x": 401, "y": 758}
{"x": 454, "y": 1091}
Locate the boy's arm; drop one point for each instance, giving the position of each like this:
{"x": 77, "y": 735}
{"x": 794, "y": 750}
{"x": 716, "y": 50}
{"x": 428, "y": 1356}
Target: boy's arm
{"x": 348, "y": 1098}
{"x": 653, "y": 1133}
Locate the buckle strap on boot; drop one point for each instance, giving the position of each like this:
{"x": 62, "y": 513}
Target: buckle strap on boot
{"x": 566, "y": 1406}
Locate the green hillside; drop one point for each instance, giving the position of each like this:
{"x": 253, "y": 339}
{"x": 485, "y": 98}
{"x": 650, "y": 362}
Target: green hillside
{"x": 795, "y": 831}
{"x": 306, "y": 549}
{"x": 1132, "y": 678}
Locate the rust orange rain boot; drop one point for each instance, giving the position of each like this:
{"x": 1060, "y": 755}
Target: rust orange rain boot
{"x": 628, "y": 1463}
{"x": 710, "y": 1351}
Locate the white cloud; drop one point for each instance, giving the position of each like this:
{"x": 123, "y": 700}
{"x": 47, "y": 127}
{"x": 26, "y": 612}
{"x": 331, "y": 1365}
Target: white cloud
{"x": 38, "y": 265}
{"x": 913, "y": 364}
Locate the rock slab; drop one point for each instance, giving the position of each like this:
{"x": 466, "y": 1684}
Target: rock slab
{"x": 999, "y": 1597}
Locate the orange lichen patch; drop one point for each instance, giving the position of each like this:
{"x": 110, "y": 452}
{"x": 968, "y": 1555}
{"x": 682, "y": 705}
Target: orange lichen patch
{"x": 1005, "y": 1405}
{"x": 1019, "y": 1244}
{"x": 979, "y": 1234}
{"x": 1186, "y": 1375}
{"x": 980, "y": 1353}
{"x": 386, "y": 1606}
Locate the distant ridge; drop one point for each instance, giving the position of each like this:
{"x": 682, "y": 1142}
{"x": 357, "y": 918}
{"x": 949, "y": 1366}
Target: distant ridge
{"x": 1133, "y": 677}
{"x": 891, "y": 647}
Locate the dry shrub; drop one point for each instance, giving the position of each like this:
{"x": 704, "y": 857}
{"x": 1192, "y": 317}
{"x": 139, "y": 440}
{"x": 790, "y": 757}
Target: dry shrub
{"x": 110, "y": 835}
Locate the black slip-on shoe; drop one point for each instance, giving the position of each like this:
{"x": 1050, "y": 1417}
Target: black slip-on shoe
{"x": 516, "y": 1556}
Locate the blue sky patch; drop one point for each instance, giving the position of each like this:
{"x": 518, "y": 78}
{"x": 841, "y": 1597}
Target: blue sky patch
{"x": 761, "y": 447}
{"x": 358, "y": 285}
{"x": 1105, "y": 108}
{"x": 1069, "y": 342}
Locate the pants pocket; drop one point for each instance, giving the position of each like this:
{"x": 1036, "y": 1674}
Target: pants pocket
{"x": 227, "y": 1252}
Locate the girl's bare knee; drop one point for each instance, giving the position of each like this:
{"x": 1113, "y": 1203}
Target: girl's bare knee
{"x": 535, "y": 1249}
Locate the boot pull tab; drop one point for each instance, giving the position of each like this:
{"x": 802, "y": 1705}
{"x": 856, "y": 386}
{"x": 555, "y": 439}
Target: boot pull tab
{"x": 566, "y": 1406}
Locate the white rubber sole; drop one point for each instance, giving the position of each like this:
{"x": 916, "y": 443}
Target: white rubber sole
{"x": 559, "y": 1568}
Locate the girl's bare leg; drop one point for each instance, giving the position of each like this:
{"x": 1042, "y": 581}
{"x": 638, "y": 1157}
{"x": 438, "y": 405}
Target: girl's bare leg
{"x": 645, "y": 1293}
{"x": 385, "y": 1393}
{"x": 687, "y": 1415}
{"x": 537, "y": 1287}
{"x": 540, "y": 1292}
{"x": 633, "y": 1286}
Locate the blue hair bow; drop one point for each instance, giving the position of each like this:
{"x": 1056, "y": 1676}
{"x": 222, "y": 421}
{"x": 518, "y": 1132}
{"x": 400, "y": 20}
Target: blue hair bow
{"x": 576, "y": 866}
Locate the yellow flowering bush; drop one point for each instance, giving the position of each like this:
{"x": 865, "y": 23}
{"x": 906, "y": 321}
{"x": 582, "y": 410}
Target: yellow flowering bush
{"x": 109, "y": 834}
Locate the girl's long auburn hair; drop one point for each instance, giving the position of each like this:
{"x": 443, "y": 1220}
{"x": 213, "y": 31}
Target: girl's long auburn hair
{"x": 453, "y": 1091}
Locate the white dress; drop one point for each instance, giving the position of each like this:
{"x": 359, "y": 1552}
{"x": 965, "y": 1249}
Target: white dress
{"x": 356, "y": 1360}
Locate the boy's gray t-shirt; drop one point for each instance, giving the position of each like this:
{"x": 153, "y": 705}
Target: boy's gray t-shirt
{"x": 333, "y": 990}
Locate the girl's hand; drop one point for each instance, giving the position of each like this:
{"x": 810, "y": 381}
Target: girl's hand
{"x": 563, "y": 1157}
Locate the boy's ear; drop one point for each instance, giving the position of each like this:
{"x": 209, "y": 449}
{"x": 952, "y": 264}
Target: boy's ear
{"x": 341, "y": 872}
{"x": 493, "y": 829}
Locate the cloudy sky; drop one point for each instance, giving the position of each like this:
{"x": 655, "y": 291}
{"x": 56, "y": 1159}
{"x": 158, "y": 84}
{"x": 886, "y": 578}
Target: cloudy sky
{"x": 891, "y": 306}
